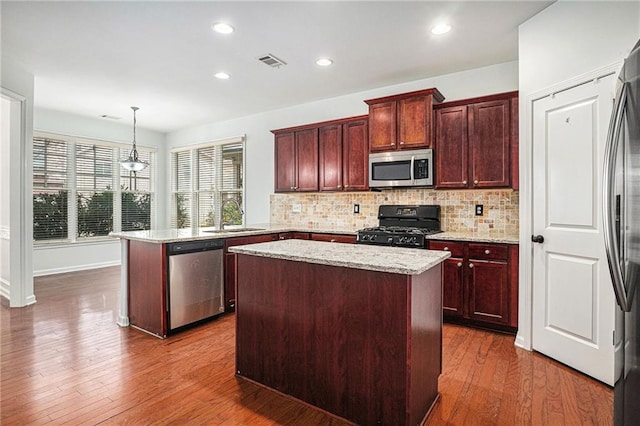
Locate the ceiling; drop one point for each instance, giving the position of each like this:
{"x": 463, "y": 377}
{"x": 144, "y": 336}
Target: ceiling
{"x": 99, "y": 58}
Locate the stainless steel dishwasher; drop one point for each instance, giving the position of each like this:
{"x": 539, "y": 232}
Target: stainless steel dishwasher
{"x": 195, "y": 290}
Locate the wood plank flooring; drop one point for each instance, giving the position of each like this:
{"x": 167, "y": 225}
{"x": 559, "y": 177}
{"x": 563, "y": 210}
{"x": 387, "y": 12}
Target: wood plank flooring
{"x": 65, "y": 361}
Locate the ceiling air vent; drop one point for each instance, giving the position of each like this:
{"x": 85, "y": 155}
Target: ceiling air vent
{"x": 271, "y": 60}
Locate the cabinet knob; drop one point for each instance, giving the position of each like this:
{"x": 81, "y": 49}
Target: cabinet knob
{"x": 293, "y": 187}
{"x": 401, "y": 142}
{"x": 333, "y": 240}
{"x": 471, "y": 265}
{"x": 346, "y": 186}
{"x": 464, "y": 182}
{"x": 487, "y": 251}
{"x": 446, "y": 249}
{"x": 339, "y": 186}
{"x": 475, "y": 182}
{"x": 459, "y": 264}
{"x": 282, "y": 238}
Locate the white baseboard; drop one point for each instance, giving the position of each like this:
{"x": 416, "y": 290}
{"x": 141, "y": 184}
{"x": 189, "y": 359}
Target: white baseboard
{"x": 75, "y": 268}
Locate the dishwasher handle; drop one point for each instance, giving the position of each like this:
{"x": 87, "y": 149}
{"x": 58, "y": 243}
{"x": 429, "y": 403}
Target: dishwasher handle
{"x": 194, "y": 246}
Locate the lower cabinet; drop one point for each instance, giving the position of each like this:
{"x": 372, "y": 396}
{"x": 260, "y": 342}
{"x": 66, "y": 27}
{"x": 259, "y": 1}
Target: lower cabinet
{"x": 231, "y": 265}
{"x": 480, "y": 283}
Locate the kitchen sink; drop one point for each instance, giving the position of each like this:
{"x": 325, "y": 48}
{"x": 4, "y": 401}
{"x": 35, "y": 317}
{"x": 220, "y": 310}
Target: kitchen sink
{"x": 224, "y": 231}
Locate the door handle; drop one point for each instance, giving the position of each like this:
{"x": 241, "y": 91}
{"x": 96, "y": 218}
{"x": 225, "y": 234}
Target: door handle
{"x": 537, "y": 239}
{"x": 623, "y": 295}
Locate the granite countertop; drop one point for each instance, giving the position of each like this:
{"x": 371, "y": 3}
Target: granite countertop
{"x": 192, "y": 234}
{"x": 162, "y": 236}
{"x": 476, "y": 237}
{"x": 397, "y": 260}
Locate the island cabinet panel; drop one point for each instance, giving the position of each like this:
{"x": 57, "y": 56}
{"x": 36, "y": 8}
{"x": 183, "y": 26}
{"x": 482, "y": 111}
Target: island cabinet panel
{"x": 231, "y": 265}
{"x": 480, "y": 283}
{"x": 362, "y": 345}
{"x": 147, "y": 287}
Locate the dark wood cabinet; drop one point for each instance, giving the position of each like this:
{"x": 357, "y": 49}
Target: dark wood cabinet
{"x": 328, "y": 156}
{"x": 355, "y": 155}
{"x": 480, "y": 283}
{"x": 334, "y": 238}
{"x": 402, "y": 121}
{"x": 476, "y": 142}
{"x": 296, "y": 157}
{"x": 293, "y": 236}
{"x": 231, "y": 264}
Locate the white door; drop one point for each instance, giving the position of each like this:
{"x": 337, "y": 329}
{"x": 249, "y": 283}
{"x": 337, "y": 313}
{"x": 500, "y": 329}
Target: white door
{"x": 573, "y": 301}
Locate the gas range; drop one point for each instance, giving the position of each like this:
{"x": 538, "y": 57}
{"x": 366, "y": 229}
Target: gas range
{"x": 402, "y": 226}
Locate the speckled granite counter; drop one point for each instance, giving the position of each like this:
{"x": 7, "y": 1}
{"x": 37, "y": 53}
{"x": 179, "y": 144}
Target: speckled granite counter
{"x": 161, "y": 236}
{"x": 475, "y": 237}
{"x": 373, "y": 258}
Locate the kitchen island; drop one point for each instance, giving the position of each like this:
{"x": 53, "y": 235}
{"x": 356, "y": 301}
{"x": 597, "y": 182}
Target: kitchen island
{"x": 354, "y": 330}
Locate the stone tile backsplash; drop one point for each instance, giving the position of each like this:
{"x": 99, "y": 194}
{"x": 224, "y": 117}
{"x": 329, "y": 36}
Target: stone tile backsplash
{"x": 335, "y": 209}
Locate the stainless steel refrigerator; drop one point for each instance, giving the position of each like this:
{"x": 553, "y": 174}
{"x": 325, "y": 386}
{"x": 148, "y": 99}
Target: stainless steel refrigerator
{"x": 622, "y": 236}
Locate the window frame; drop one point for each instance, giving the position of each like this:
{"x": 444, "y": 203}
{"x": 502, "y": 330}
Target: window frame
{"x": 73, "y": 189}
{"x": 194, "y": 192}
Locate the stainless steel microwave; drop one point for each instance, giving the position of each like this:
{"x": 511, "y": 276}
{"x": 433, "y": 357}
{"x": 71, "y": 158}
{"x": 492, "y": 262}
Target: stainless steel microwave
{"x": 401, "y": 168}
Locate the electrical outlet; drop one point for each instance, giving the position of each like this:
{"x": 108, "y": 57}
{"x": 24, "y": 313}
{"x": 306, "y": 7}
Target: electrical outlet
{"x": 479, "y": 209}
{"x": 356, "y": 208}
{"x": 296, "y": 208}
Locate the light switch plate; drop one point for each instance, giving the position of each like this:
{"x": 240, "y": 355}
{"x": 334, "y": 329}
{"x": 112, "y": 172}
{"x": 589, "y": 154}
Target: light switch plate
{"x": 479, "y": 209}
{"x": 296, "y": 208}
{"x": 356, "y": 208}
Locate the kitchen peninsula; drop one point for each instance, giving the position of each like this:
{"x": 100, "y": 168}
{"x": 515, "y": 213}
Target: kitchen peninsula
{"x": 354, "y": 330}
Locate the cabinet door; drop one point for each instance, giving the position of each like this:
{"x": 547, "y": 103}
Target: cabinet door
{"x": 452, "y": 287}
{"x": 451, "y": 148}
{"x": 285, "y": 167}
{"x": 489, "y": 147}
{"x": 307, "y": 160}
{"x": 488, "y": 291}
{"x": 355, "y": 157}
{"x": 330, "y": 146}
{"x": 414, "y": 122}
{"x": 382, "y": 126}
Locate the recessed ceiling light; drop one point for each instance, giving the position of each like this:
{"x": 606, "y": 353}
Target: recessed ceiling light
{"x": 324, "y": 62}
{"x": 441, "y": 29}
{"x": 222, "y": 28}
{"x": 222, "y": 75}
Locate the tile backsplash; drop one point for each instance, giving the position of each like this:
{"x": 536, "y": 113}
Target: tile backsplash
{"x": 335, "y": 209}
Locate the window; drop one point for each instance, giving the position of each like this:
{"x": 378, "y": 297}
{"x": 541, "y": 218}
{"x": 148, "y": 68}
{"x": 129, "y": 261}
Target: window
{"x": 207, "y": 184}
{"x": 80, "y": 192}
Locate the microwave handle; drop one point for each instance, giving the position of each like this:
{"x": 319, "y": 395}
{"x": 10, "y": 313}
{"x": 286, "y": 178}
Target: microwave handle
{"x": 412, "y": 161}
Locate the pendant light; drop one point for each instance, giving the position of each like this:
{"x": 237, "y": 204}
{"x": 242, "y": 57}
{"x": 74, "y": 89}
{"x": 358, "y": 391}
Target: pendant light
{"x": 133, "y": 163}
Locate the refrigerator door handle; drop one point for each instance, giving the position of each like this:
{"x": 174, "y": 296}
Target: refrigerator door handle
{"x": 611, "y": 246}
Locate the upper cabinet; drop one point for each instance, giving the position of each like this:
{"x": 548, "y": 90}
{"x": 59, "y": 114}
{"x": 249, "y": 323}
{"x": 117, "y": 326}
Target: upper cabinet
{"x": 328, "y": 156}
{"x": 296, "y": 156}
{"x": 476, "y": 143}
{"x": 402, "y": 121}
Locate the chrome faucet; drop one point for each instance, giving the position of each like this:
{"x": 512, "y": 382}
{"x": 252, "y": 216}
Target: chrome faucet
{"x": 224, "y": 203}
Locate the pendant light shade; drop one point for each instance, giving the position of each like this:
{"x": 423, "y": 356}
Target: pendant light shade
{"x": 133, "y": 163}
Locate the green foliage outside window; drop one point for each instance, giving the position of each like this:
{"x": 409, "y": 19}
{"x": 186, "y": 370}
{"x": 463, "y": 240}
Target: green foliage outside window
{"x": 50, "y": 215}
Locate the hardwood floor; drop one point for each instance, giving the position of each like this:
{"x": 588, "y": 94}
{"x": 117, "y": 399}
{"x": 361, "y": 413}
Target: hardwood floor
{"x": 65, "y": 361}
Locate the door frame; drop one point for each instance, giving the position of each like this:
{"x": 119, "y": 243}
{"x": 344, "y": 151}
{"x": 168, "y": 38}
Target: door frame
{"x": 524, "y": 336}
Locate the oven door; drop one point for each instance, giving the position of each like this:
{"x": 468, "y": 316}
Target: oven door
{"x": 401, "y": 169}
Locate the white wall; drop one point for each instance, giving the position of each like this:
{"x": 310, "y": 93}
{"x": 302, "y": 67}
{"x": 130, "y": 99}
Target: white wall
{"x": 259, "y": 142}
{"x": 57, "y": 258}
{"x": 17, "y": 85}
{"x": 564, "y": 41}
{"x": 5, "y": 214}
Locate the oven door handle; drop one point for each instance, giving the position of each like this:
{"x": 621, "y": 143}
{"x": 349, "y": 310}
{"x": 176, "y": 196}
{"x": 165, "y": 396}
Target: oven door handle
{"x": 413, "y": 157}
